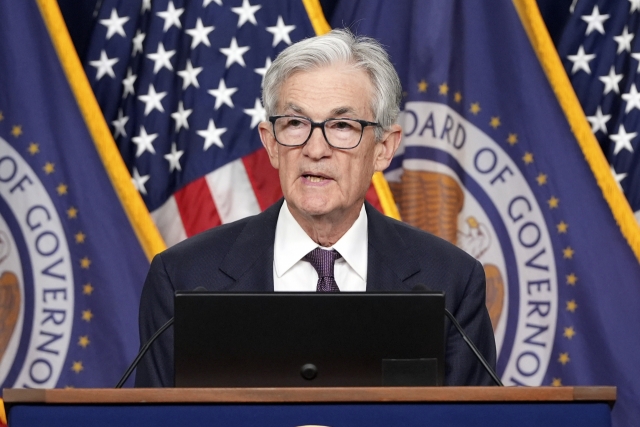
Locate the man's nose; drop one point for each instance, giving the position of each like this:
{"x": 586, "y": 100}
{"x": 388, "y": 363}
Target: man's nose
{"x": 317, "y": 146}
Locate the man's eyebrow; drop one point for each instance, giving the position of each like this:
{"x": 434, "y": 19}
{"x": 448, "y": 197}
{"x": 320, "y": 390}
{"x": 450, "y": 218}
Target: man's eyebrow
{"x": 337, "y": 112}
{"x": 294, "y": 107}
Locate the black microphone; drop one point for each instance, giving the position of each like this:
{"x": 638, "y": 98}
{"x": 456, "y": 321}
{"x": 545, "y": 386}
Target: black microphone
{"x": 466, "y": 339}
{"x": 145, "y": 347}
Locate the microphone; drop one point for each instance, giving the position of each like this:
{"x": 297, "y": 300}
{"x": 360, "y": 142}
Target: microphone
{"x": 467, "y": 340}
{"x": 145, "y": 347}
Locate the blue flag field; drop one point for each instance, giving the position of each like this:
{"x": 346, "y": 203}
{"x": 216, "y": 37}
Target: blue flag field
{"x": 72, "y": 262}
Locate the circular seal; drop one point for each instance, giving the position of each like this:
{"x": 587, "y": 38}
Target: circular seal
{"x": 36, "y": 278}
{"x": 459, "y": 184}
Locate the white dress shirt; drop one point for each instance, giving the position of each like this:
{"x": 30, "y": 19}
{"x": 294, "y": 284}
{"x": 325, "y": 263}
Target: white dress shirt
{"x": 293, "y": 274}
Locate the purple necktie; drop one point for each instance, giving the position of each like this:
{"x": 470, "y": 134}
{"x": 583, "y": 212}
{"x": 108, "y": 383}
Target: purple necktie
{"x": 323, "y": 260}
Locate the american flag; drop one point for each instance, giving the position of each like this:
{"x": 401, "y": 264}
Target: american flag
{"x": 180, "y": 82}
{"x": 601, "y": 52}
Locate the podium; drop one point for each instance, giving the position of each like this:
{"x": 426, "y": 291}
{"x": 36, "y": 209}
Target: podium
{"x": 334, "y": 407}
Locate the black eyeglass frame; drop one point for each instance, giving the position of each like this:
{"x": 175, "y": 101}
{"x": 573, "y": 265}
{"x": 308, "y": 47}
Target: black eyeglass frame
{"x": 363, "y": 123}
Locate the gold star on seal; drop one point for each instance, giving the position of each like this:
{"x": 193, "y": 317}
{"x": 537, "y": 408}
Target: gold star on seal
{"x": 527, "y": 158}
{"x": 1, "y": 116}
{"x": 62, "y": 189}
{"x": 49, "y": 168}
{"x": 80, "y": 237}
{"x": 512, "y": 139}
{"x": 475, "y": 108}
{"x": 443, "y": 89}
{"x": 85, "y": 262}
{"x": 77, "y": 367}
{"x": 569, "y": 332}
{"x": 562, "y": 227}
{"x": 571, "y": 278}
{"x": 541, "y": 178}
{"x": 83, "y": 341}
{"x": 567, "y": 253}
{"x": 33, "y": 148}
{"x": 495, "y": 122}
{"x": 564, "y": 358}
{"x": 72, "y": 212}
{"x": 553, "y": 202}
{"x": 571, "y": 306}
{"x": 16, "y": 130}
{"x": 87, "y": 315}
{"x": 557, "y": 382}
{"x": 422, "y": 86}
{"x": 457, "y": 97}
{"x": 87, "y": 289}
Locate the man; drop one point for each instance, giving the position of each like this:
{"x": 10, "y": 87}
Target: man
{"x": 332, "y": 103}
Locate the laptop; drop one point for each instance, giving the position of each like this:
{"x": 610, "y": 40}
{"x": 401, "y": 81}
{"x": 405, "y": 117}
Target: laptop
{"x": 308, "y": 339}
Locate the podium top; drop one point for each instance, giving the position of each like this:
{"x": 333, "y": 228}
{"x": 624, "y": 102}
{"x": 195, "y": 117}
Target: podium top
{"x": 311, "y": 395}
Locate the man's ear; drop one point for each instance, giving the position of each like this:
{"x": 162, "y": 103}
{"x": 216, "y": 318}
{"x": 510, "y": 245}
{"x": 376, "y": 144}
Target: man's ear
{"x": 269, "y": 142}
{"x": 386, "y": 148}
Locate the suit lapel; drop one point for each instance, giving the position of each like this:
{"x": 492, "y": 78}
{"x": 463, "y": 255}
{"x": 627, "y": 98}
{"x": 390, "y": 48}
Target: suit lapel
{"x": 250, "y": 260}
{"x": 391, "y": 263}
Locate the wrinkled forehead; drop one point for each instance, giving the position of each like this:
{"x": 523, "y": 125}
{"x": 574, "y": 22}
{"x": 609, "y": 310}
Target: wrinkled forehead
{"x": 342, "y": 88}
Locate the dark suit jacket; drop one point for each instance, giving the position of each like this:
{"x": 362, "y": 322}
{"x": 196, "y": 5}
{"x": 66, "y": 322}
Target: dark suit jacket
{"x": 238, "y": 257}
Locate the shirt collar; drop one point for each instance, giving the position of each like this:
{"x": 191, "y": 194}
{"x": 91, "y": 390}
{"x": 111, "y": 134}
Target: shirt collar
{"x": 292, "y": 243}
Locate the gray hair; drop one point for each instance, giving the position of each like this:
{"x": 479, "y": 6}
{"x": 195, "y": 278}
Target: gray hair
{"x": 339, "y": 47}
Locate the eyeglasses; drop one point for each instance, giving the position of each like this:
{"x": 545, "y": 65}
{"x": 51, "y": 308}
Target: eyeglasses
{"x": 294, "y": 131}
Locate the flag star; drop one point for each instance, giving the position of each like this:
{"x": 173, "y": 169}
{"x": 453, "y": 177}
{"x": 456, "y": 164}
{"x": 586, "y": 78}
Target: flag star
{"x": 161, "y": 58}
{"x": 618, "y": 177}
{"x": 139, "y": 181}
{"x": 257, "y": 113}
{"x": 636, "y": 56}
{"x": 624, "y": 40}
{"x": 114, "y": 24}
{"x": 152, "y": 100}
{"x": 595, "y": 21}
{"x": 137, "y": 43}
{"x": 581, "y": 61}
{"x": 234, "y": 53}
{"x": 144, "y": 142}
{"x": 263, "y": 71}
{"x": 246, "y": 13}
{"x": 190, "y": 75}
{"x": 128, "y": 82}
{"x": 611, "y": 81}
{"x": 174, "y": 158}
{"x": 635, "y": 5}
{"x": 212, "y": 135}
{"x": 633, "y": 99}
{"x": 171, "y": 17}
{"x": 180, "y": 117}
{"x": 599, "y": 121}
{"x": 146, "y": 5}
{"x": 118, "y": 125}
{"x": 104, "y": 65}
{"x": 281, "y": 32}
{"x": 223, "y": 94}
{"x": 622, "y": 140}
{"x": 206, "y": 3}
{"x": 200, "y": 34}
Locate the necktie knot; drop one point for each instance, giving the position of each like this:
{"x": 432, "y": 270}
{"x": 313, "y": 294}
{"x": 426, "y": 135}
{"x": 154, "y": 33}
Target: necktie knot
{"x": 323, "y": 261}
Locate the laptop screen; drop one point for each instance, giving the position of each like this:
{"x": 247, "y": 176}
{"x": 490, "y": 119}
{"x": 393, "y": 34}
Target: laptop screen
{"x": 309, "y": 339}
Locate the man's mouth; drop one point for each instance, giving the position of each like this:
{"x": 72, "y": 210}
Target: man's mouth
{"x": 314, "y": 178}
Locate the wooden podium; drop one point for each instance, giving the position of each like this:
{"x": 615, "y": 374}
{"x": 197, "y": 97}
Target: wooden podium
{"x": 335, "y": 407}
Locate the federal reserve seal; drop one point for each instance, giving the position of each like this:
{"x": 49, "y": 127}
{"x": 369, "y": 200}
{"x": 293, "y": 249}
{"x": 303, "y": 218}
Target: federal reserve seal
{"x": 36, "y": 279}
{"x": 460, "y": 184}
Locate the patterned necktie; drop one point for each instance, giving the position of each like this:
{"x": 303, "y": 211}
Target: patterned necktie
{"x": 323, "y": 261}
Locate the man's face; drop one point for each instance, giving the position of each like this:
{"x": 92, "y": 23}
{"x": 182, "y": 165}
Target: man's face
{"x": 318, "y": 180}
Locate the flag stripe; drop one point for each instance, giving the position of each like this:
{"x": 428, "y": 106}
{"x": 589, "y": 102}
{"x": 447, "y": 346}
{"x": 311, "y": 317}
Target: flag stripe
{"x": 553, "y": 68}
{"x": 196, "y": 206}
{"x": 264, "y": 178}
{"x": 232, "y": 192}
{"x": 167, "y": 218}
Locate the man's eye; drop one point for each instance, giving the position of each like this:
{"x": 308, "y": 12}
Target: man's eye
{"x": 342, "y": 125}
